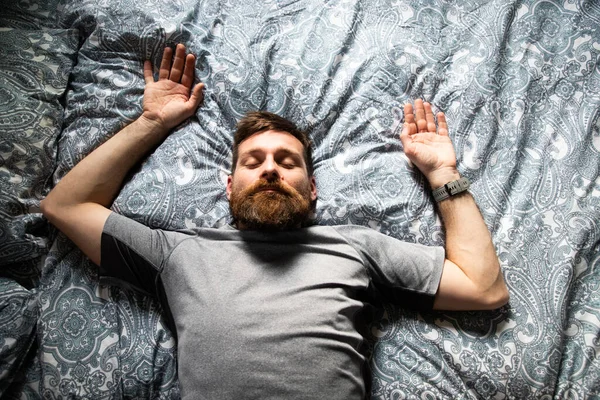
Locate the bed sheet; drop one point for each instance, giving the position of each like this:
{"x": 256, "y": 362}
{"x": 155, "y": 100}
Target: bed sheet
{"x": 35, "y": 62}
{"x": 519, "y": 82}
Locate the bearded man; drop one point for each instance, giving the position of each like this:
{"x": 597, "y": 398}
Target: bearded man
{"x": 268, "y": 307}
{"x": 270, "y": 198}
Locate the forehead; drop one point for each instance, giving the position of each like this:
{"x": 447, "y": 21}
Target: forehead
{"x": 271, "y": 141}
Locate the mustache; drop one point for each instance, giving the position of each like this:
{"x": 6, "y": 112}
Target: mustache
{"x": 263, "y": 184}
{"x": 284, "y": 208}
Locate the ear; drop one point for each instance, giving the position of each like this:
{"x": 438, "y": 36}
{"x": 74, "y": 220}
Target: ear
{"x": 313, "y": 188}
{"x": 229, "y": 186}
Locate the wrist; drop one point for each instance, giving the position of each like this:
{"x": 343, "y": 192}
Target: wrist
{"x": 439, "y": 178}
{"x": 151, "y": 126}
{"x": 451, "y": 189}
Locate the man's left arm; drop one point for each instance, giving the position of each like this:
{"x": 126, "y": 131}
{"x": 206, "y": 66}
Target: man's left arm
{"x": 471, "y": 278}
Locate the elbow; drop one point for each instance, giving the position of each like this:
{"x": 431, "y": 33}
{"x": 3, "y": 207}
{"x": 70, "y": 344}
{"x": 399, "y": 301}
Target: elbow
{"x": 48, "y": 209}
{"x": 498, "y": 295}
{"x": 505, "y": 297}
{"x": 45, "y": 208}
{"x": 500, "y": 298}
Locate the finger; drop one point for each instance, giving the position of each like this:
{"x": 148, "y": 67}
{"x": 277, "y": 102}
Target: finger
{"x": 429, "y": 118}
{"x": 443, "y": 126}
{"x": 405, "y": 135}
{"x": 197, "y": 97}
{"x": 409, "y": 119}
{"x": 148, "y": 76}
{"x": 178, "y": 63}
{"x": 420, "y": 116}
{"x": 165, "y": 64}
{"x": 408, "y": 132}
{"x": 408, "y": 110}
{"x": 188, "y": 72}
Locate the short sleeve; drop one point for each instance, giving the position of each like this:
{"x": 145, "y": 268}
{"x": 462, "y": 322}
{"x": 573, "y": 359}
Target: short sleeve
{"x": 405, "y": 273}
{"x": 134, "y": 253}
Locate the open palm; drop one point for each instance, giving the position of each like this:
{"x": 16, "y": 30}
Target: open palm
{"x": 428, "y": 146}
{"x": 171, "y": 100}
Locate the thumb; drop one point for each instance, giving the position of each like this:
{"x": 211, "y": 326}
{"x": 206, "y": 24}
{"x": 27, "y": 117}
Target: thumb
{"x": 405, "y": 134}
{"x": 197, "y": 96}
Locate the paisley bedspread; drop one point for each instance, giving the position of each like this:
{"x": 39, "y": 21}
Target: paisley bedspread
{"x": 519, "y": 82}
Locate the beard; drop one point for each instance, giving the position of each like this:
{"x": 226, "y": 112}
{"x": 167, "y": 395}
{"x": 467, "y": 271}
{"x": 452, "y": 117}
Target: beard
{"x": 280, "y": 209}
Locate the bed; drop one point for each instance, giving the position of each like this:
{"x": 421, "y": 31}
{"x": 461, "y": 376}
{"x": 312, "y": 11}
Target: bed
{"x": 519, "y": 82}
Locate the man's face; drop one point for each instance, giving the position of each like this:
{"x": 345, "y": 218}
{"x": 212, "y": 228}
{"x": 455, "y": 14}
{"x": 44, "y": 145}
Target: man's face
{"x": 270, "y": 188}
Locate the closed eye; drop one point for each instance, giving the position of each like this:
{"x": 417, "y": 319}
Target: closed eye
{"x": 250, "y": 162}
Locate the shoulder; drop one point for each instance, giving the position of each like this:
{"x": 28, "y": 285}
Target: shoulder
{"x": 144, "y": 239}
{"x": 362, "y": 235}
{"x": 117, "y": 223}
{"x": 373, "y": 244}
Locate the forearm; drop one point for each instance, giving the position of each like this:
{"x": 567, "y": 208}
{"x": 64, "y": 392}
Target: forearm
{"x": 99, "y": 176}
{"x": 469, "y": 245}
{"x": 468, "y": 240}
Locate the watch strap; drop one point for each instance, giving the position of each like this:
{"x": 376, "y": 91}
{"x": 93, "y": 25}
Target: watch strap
{"x": 451, "y": 189}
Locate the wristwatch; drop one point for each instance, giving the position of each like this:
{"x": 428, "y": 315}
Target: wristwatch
{"x": 451, "y": 189}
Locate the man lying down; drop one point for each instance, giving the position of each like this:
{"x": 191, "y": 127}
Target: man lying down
{"x": 267, "y": 308}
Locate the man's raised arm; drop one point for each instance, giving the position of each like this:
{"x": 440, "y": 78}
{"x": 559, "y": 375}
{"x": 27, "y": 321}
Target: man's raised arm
{"x": 78, "y": 205}
{"x": 471, "y": 279}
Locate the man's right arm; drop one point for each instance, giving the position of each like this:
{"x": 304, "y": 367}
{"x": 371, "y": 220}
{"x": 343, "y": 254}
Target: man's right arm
{"x": 78, "y": 205}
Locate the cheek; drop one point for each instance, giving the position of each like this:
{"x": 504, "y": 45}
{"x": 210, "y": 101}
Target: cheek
{"x": 239, "y": 183}
{"x": 298, "y": 182}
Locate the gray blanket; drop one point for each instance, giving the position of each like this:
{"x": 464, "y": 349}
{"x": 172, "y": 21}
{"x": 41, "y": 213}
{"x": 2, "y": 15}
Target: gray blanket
{"x": 519, "y": 82}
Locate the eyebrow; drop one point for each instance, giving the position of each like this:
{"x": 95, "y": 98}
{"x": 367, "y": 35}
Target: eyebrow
{"x": 279, "y": 150}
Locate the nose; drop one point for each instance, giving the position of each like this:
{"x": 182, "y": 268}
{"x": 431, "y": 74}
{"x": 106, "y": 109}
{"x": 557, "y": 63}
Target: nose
{"x": 270, "y": 171}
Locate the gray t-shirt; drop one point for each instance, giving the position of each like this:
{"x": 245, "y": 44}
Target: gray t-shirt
{"x": 270, "y": 315}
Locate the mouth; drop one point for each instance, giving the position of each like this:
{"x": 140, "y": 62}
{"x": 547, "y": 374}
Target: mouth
{"x": 268, "y": 189}
{"x": 271, "y": 190}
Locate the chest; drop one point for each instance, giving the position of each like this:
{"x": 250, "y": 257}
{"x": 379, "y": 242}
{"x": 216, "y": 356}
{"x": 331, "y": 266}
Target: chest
{"x": 278, "y": 284}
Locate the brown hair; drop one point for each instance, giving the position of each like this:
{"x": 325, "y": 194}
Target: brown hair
{"x": 260, "y": 121}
